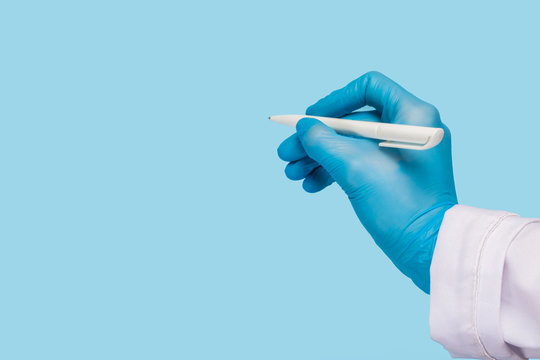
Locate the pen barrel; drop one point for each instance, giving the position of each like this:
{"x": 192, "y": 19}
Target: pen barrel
{"x": 383, "y": 131}
{"x": 405, "y": 133}
{"x": 353, "y": 127}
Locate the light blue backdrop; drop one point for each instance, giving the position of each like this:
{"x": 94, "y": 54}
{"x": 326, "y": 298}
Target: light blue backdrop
{"x": 145, "y": 214}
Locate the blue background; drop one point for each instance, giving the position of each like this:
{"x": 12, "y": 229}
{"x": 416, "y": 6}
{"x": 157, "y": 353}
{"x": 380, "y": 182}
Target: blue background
{"x": 145, "y": 214}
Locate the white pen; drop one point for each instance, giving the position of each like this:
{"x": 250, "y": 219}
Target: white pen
{"x": 393, "y": 135}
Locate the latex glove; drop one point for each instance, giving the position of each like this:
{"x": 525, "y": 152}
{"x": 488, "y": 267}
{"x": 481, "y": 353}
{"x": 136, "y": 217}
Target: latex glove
{"x": 400, "y": 196}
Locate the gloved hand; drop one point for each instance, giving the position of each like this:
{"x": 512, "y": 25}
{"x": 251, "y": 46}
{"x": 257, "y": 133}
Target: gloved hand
{"x": 400, "y": 196}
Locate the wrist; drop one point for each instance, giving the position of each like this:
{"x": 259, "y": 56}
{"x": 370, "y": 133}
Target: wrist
{"x": 418, "y": 243}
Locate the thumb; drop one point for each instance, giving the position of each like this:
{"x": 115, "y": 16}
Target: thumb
{"x": 325, "y": 146}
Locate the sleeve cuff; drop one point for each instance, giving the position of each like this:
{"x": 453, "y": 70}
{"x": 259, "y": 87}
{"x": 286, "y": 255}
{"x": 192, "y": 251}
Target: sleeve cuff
{"x": 466, "y": 280}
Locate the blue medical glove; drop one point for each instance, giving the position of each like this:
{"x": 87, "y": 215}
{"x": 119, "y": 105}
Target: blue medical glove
{"x": 400, "y": 196}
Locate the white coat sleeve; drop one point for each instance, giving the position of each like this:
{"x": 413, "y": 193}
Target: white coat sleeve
{"x": 485, "y": 285}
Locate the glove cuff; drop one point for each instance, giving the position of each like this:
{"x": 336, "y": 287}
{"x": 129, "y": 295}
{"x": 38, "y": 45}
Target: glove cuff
{"x": 416, "y": 264}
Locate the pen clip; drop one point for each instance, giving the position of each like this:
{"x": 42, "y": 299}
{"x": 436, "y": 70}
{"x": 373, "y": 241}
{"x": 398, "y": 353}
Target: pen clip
{"x": 404, "y": 145}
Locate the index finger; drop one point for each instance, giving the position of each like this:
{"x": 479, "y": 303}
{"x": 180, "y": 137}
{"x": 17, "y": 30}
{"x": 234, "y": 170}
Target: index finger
{"x": 373, "y": 89}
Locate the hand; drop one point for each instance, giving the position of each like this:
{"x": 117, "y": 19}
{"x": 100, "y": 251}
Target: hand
{"x": 400, "y": 196}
